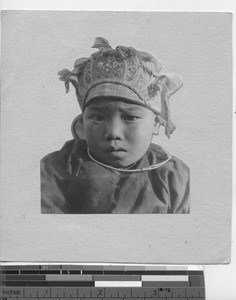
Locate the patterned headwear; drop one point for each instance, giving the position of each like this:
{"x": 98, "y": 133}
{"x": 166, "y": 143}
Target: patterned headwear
{"x": 125, "y": 73}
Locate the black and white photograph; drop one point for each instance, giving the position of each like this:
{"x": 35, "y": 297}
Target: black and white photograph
{"x": 111, "y": 166}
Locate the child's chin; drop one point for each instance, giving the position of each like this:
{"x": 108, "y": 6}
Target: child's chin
{"x": 118, "y": 162}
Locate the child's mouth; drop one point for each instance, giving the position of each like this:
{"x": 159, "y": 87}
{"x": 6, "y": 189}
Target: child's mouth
{"x": 116, "y": 151}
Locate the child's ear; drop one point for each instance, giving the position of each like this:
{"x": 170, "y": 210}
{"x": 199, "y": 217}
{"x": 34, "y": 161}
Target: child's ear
{"x": 77, "y": 128}
{"x": 157, "y": 125}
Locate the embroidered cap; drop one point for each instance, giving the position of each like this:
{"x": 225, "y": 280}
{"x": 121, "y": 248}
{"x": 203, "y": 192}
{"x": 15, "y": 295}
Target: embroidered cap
{"x": 124, "y": 73}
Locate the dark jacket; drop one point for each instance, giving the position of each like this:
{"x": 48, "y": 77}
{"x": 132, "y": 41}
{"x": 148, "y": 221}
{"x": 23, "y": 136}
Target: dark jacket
{"x": 73, "y": 183}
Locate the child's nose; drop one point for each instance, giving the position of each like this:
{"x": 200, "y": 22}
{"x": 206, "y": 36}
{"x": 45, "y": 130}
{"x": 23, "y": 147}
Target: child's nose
{"x": 114, "y": 130}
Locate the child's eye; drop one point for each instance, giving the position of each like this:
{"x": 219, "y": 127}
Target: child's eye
{"x": 131, "y": 118}
{"x": 97, "y": 118}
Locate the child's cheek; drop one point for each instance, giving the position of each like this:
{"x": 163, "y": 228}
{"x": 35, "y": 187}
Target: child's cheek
{"x": 92, "y": 130}
{"x": 89, "y": 125}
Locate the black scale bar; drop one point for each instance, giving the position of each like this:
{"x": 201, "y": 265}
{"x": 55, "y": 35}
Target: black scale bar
{"x": 71, "y": 272}
{"x": 166, "y": 273}
{"x": 30, "y": 272}
{"x": 48, "y": 283}
{"x": 17, "y": 277}
{"x": 90, "y": 272}
{"x": 40, "y": 272}
{"x": 9, "y": 272}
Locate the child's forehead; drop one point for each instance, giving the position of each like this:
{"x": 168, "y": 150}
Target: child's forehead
{"x": 109, "y": 104}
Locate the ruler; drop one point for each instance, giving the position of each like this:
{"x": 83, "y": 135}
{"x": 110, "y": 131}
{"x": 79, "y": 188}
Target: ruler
{"x": 87, "y": 282}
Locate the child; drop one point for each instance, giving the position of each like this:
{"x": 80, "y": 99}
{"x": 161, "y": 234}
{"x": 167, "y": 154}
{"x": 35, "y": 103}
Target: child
{"x": 111, "y": 166}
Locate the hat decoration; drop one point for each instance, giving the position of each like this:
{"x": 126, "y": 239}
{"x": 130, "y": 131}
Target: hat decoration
{"x": 126, "y": 73}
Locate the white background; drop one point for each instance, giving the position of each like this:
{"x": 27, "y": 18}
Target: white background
{"x": 36, "y": 118}
{"x": 219, "y": 279}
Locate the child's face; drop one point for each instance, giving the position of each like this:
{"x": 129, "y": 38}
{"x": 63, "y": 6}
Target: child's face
{"x": 118, "y": 133}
